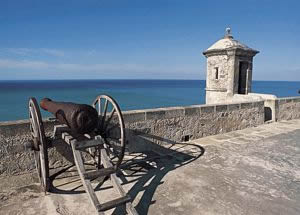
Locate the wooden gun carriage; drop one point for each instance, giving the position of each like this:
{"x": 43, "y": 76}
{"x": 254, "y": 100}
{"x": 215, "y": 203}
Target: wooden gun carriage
{"x": 102, "y": 135}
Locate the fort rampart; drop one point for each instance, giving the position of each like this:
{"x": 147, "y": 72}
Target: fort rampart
{"x": 287, "y": 108}
{"x": 144, "y": 129}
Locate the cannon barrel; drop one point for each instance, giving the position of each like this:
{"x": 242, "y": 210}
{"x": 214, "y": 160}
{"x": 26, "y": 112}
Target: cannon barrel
{"x": 80, "y": 118}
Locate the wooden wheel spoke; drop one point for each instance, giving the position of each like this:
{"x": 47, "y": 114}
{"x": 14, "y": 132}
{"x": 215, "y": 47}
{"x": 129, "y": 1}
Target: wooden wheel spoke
{"x": 112, "y": 128}
{"x": 33, "y": 127}
{"x": 95, "y": 104}
{"x": 108, "y": 144}
{"x": 114, "y": 147}
{"x": 99, "y": 106}
{"x": 31, "y": 119}
{"x": 104, "y": 114}
{"x": 109, "y": 118}
{"x": 110, "y": 149}
{"x": 31, "y": 122}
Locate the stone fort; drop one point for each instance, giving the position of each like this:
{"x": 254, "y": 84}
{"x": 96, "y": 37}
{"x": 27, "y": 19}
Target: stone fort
{"x": 230, "y": 105}
{"x": 229, "y": 72}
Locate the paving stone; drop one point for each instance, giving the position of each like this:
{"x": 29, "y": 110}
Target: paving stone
{"x": 247, "y": 174}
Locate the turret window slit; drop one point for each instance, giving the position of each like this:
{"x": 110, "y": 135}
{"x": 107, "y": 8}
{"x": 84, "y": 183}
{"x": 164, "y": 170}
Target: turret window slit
{"x": 217, "y": 73}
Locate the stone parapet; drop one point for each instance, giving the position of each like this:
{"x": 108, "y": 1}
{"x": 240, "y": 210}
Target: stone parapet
{"x": 177, "y": 124}
{"x": 287, "y": 108}
{"x": 144, "y": 128}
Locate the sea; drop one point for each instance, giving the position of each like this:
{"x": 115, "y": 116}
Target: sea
{"x": 129, "y": 94}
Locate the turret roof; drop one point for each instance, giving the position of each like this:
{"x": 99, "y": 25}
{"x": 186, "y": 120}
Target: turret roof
{"x": 228, "y": 43}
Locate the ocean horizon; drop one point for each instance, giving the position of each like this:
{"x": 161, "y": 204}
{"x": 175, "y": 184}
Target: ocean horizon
{"x": 131, "y": 94}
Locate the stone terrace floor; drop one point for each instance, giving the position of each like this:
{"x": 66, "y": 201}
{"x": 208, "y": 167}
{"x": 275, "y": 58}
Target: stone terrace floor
{"x": 252, "y": 171}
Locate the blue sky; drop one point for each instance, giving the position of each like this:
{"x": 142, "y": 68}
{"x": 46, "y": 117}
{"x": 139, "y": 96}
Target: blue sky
{"x": 142, "y": 39}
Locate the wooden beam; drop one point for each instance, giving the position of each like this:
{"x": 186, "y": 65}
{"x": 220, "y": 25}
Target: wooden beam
{"x": 100, "y": 172}
{"x": 86, "y": 183}
{"x": 114, "y": 203}
{"x": 59, "y": 129}
{"x": 115, "y": 181}
{"x": 88, "y": 144}
{"x": 67, "y": 137}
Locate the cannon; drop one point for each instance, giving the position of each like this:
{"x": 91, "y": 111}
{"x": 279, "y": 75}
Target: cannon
{"x": 80, "y": 118}
{"x": 98, "y": 129}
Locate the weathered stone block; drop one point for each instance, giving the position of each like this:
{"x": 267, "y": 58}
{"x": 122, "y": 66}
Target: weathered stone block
{"x": 232, "y": 107}
{"x": 288, "y": 100}
{"x": 155, "y": 114}
{"x": 258, "y": 104}
{"x": 134, "y": 116}
{"x": 221, "y": 108}
{"x": 192, "y": 111}
{"x": 208, "y": 109}
{"x": 174, "y": 112}
{"x": 281, "y": 101}
{"x": 296, "y": 99}
{"x": 246, "y": 105}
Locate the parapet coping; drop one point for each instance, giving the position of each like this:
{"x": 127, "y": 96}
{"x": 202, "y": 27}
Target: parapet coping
{"x": 23, "y": 121}
{"x": 165, "y": 112}
{"x": 297, "y": 98}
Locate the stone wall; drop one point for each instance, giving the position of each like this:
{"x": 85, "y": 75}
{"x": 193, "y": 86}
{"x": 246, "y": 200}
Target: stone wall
{"x": 287, "y": 108}
{"x": 145, "y": 130}
{"x": 15, "y": 159}
{"x": 223, "y": 64}
{"x": 170, "y": 125}
{"x": 216, "y": 87}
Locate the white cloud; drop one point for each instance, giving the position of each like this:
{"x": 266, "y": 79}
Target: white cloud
{"x": 88, "y": 70}
{"x": 34, "y": 52}
{"x": 91, "y": 52}
{"x": 18, "y": 51}
{"x": 54, "y": 52}
{"x": 22, "y": 64}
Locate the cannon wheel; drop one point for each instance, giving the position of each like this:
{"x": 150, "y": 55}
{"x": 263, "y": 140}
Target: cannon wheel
{"x": 111, "y": 127}
{"x": 39, "y": 144}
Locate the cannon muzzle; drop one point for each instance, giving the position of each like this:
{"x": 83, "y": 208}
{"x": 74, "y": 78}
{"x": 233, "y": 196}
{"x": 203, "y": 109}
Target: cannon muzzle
{"x": 80, "y": 118}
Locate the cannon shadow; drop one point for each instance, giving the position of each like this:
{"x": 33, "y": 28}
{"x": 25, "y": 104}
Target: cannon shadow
{"x": 148, "y": 168}
{"x": 148, "y": 159}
